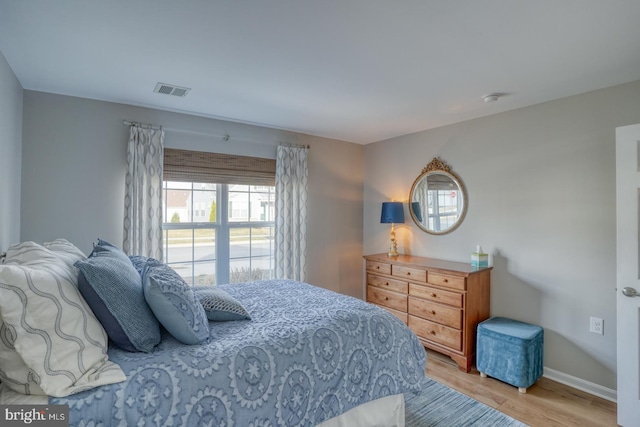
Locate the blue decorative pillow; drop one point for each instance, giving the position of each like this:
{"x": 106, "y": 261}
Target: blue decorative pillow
{"x": 139, "y": 263}
{"x": 104, "y": 246}
{"x": 174, "y": 303}
{"x": 219, "y": 305}
{"x": 110, "y": 324}
{"x": 112, "y": 287}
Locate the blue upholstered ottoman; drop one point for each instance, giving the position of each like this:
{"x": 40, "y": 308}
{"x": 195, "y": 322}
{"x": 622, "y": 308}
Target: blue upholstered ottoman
{"x": 510, "y": 351}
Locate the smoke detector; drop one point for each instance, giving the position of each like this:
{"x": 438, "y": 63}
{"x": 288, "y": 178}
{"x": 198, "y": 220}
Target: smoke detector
{"x": 491, "y": 97}
{"x": 173, "y": 90}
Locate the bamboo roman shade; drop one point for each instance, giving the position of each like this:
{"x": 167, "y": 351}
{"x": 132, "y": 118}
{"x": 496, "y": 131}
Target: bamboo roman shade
{"x": 200, "y": 166}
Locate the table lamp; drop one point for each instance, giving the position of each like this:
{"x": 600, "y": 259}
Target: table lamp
{"x": 392, "y": 212}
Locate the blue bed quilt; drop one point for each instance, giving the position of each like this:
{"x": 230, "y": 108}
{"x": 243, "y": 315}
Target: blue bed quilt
{"x": 307, "y": 355}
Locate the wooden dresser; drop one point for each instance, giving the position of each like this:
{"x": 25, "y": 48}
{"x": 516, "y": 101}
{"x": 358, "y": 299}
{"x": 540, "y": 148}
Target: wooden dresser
{"x": 441, "y": 301}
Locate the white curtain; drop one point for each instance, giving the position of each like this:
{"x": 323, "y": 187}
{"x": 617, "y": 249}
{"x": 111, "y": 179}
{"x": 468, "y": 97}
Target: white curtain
{"x": 143, "y": 196}
{"x": 291, "y": 213}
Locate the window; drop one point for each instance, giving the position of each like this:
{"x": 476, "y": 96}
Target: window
{"x": 218, "y": 228}
{"x": 443, "y": 208}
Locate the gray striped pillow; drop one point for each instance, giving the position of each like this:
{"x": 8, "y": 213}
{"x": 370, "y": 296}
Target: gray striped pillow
{"x": 219, "y": 305}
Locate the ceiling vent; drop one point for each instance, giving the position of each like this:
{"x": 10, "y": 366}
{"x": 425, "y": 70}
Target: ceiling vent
{"x": 171, "y": 90}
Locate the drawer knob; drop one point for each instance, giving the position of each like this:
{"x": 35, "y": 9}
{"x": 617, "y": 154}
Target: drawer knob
{"x": 432, "y": 332}
{"x": 377, "y": 267}
{"x": 433, "y": 295}
{"x": 433, "y": 312}
{"x": 386, "y": 284}
{"x": 408, "y": 273}
{"x": 386, "y": 298}
{"x": 445, "y": 280}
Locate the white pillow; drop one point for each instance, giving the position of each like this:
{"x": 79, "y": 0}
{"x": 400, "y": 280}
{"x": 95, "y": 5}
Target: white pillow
{"x": 10, "y": 397}
{"x": 29, "y": 252}
{"x": 60, "y": 341}
{"x": 66, "y": 251}
{"x": 14, "y": 374}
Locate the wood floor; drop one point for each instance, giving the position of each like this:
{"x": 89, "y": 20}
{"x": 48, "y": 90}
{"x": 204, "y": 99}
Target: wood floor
{"x": 547, "y": 403}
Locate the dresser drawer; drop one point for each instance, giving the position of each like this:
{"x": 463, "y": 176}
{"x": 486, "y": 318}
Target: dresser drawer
{"x": 438, "y": 313}
{"x": 383, "y": 282}
{"x": 400, "y": 315}
{"x": 453, "y": 282}
{"x": 387, "y": 298}
{"x": 438, "y": 295}
{"x": 409, "y": 273}
{"x": 379, "y": 267}
{"x": 435, "y": 332}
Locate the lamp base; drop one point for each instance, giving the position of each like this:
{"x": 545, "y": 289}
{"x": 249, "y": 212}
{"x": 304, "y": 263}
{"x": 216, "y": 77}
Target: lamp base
{"x": 393, "y": 247}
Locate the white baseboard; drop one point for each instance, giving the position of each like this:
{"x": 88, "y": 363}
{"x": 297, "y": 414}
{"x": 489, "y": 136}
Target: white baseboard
{"x": 580, "y": 384}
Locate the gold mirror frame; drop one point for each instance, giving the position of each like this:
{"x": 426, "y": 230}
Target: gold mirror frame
{"x": 437, "y": 167}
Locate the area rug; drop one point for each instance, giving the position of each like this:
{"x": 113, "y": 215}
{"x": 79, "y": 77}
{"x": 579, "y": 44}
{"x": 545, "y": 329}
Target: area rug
{"x": 440, "y": 406}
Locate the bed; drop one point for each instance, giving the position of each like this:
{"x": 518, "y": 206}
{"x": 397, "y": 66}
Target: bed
{"x": 308, "y": 356}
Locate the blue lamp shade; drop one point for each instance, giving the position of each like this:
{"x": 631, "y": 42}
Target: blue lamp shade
{"x": 392, "y": 212}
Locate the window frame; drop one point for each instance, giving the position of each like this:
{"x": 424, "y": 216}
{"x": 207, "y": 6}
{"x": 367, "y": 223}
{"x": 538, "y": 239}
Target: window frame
{"x": 222, "y": 229}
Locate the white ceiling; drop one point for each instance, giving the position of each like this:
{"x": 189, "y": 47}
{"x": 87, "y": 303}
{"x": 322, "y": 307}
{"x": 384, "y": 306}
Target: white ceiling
{"x": 356, "y": 70}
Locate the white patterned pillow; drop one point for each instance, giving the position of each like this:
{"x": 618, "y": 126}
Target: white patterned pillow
{"x": 37, "y": 256}
{"x": 66, "y": 251}
{"x": 29, "y": 253}
{"x": 45, "y": 319}
{"x": 13, "y": 371}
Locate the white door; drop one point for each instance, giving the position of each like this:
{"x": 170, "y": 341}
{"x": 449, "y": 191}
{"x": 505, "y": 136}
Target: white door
{"x": 628, "y": 273}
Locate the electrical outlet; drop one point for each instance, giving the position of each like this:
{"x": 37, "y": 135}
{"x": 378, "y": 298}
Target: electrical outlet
{"x": 596, "y": 326}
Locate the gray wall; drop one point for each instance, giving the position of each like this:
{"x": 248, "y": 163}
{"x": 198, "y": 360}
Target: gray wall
{"x": 541, "y": 183}
{"x": 74, "y": 165}
{"x": 10, "y": 159}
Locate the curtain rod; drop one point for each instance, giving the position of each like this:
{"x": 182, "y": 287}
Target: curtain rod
{"x": 308, "y": 147}
{"x": 226, "y": 137}
{"x": 142, "y": 125}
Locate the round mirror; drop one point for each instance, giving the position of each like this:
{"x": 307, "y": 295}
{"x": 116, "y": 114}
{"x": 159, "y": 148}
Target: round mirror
{"x": 438, "y": 200}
